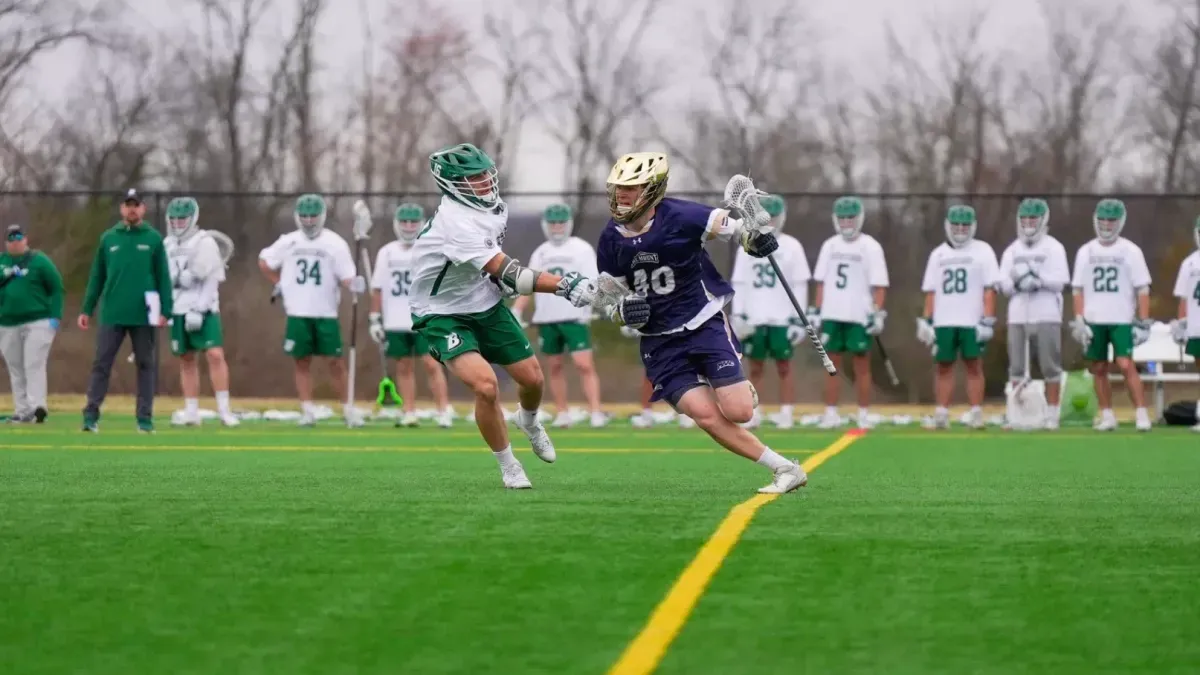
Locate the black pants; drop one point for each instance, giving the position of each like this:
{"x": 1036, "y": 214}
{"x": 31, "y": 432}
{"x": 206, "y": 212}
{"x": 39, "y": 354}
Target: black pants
{"x": 108, "y": 343}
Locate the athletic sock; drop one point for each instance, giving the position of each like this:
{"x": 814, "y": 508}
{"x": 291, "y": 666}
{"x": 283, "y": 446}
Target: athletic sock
{"x": 785, "y": 410}
{"x": 505, "y": 457}
{"x": 976, "y": 410}
{"x": 528, "y": 417}
{"x": 306, "y": 408}
{"x": 1107, "y": 414}
{"x": 773, "y": 460}
{"x": 647, "y": 413}
{"x": 863, "y": 413}
{"x": 941, "y": 412}
{"x": 191, "y": 405}
{"x": 831, "y": 411}
{"x": 223, "y": 401}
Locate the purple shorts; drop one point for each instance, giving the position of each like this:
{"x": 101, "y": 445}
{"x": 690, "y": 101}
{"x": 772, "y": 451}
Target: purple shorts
{"x": 709, "y": 356}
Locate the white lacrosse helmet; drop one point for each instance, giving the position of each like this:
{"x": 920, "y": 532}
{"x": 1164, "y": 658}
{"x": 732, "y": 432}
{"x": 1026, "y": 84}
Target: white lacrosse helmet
{"x": 1033, "y": 218}
{"x": 848, "y": 217}
{"x": 1109, "y": 220}
{"x": 960, "y": 225}
{"x": 407, "y": 221}
{"x": 182, "y": 215}
{"x": 557, "y": 223}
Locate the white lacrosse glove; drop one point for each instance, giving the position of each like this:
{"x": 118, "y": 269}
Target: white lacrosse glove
{"x": 1030, "y": 283}
{"x": 375, "y": 327}
{"x": 185, "y": 279}
{"x": 629, "y": 332}
{"x": 1179, "y": 331}
{"x": 193, "y": 321}
{"x": 926, "y": 335}
{"x": 875, "y": 322}
{"x": 741, "y": 326}
{"x": 986, "y": 329}
{"x": 577, "y": 289}
{"x": 1141, "y": 331}
{"x": 1081, "y": 331}
{"x": 795, "y": 332}
{"x": 814, "y": 318}
{"x": 358, "y": 285}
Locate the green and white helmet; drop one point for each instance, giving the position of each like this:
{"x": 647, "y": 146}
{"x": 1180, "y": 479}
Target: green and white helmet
{"x": 310, "y": 215}
{"x": 557, "y": 223}
{"x": 407, "y": 221}
{"x": 1109, "y": 220}
{"x": 467, "y": 175}
{"x": 777, "y": 209}
{"x": 1033, "y": 218}
{"x": 960, "y": 225}
{"x": 848, "y": 217}
{"x": 182, "y": 215}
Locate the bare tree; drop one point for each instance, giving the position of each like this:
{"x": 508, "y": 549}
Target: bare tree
{"x": 1171, "y": 112}
{"x": 32, "y": 28}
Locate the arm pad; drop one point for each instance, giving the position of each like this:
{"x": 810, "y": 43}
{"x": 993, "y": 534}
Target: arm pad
{"x": 518, "y": 277}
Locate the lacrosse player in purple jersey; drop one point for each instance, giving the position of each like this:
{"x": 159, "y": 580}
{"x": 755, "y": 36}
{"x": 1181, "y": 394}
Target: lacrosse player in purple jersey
{"x": 655, "y": 245}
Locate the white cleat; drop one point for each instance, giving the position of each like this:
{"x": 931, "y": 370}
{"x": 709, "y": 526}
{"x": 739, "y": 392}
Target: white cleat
{"x": 1106, "y": 424}
{"x": 445, "y": 420}
{"x": 829, "y": 421}
{"x": 599, "y": 420}
{"x": 686, "y": 422}
{"x": 353, "y": 420}
{"x": 409, "y": 420}
{"x": 1143, "y": 425}
{"x": 641, "y": 421}
{"x": 936, "y": 422}
{"x": 563, "y": 421}
{"x": 187, "y": 420}
{"x": 539, "y": 440}
{"x": 1051, "y": 423}
{"x": 514, "y": 477}
{"x": 1196, "y": 428}
{"x": 230, "y": 420}
{"x": 975, "y": 420}
{"x": 782, "y": 421}
{"x": 786, "y": 479}
{"x": 307, "y": 420}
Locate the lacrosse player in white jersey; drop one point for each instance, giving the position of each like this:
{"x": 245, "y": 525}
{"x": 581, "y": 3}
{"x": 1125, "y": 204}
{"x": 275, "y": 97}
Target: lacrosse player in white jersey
{"x": 460, "y": 279}
{"x": 310, "y": 267}
{"x": 390, "y": 320}
{"x": 1186, "y": 327}
{"x": 1111, "y": 303}
{"x": 197, "y": 266}
{"x": 562, "y": 327}
{"x": 960, "y": 312}
{"x": 762, "y": 316}
{"x": 851, "y": 284}
{"x": 1033, "y": 273}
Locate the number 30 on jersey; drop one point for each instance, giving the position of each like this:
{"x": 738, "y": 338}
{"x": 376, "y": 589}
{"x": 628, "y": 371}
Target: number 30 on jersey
{"x": 661, "y": 280}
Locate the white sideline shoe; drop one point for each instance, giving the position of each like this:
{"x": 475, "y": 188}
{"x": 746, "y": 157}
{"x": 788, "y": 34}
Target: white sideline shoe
{"x": 829, "y": 421}
{"x": 445, "y": 419}
{"x": 1105, "y": 424}
{"x": 187, "y": 420}
{"x": 786, "y": 479}
{"x": 408, "y": 420}
{"x": 307, "y": 420}
{"x": 562, "y": 421}
{"x": 514, "y": 477}
{"x": 230, "y": 420}
{"x": 539, "y": 440}
{"x": 686, "y": 422}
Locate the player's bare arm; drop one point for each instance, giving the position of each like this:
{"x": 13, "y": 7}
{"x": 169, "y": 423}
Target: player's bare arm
{"x": 989, "y": 302}
{"x": 878, "y": 295}
{"x": 527, "y": 281}
{"x": 272, "y": 275}
{"x": 1143, "y": 303}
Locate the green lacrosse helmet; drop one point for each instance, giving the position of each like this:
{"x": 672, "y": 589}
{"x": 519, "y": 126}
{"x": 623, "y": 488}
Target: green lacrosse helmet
{"x": 310, "y": 214}
{"x": 560, "y": 215}
{"x": 848, "y": 216}
{"x": 960, "y": 225}
{"x": 777, "y": 209}
{"x": 182, "y": 215}
{"x": 407, "y": 221}
{"x": 1033, "y": 217}
{"x": 1109, "y": 220}
{"x": 467, "y": 175}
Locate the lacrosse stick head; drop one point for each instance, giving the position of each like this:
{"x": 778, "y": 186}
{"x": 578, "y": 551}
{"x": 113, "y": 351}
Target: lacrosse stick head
{"x": 609, "y": 291}
{"x": 362, "y": 221}
{"x": 744, "y": 200}
{"x": 224, "y": 245}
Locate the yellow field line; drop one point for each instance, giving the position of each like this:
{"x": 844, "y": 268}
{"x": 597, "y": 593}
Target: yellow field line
{"x": 643, "y": 655}
{"x": 310, "y": 448}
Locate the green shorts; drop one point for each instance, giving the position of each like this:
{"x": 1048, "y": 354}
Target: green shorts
{"x": 1193, "y": 347}
{"x": 842, "y": 336}
{"x": 403, "y": 344}
{"x": 768, "y": 342}
{"x": 209, "y": 335}
{"x": 955, "y": 341}
{"x": 306, "y": 337}
{"x": 564, "y": 336}
{"x": 494, "y": 333}
{"x": 1120, "y": 336}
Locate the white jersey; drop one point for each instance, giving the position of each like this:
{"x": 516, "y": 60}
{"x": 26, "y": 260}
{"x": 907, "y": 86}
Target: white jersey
{"x": 1187, "y": 286}
{"x": 847, "y": 272}
{"x": 310, "y": 272}
{"x": 1048, "y": 259}
{"x": 572, "y": 255}
{"x": 449, "y": 256}
{"x": 1108, "y": 277}
{"x": 201, "y": 257}
{"x": 958, "y": 278}
{"x": 758, "y": 295}
{"x": 392, "y": 277}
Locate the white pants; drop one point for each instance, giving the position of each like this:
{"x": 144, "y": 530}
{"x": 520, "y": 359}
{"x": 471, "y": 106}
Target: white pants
{"x": 26, "y": 350}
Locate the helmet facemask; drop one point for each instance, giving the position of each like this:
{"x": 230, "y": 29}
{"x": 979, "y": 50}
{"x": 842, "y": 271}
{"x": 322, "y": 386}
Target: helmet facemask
{"x": 848, "y": 217}
{"x": 1109, "y": 220}
{"x": 557, "y": 223}
{"x": 310, "y": 215}
{"x": 407, "y": 222}
{"x": 960, "y": 225}
{"x": 636, "y": 184}
{"x": 183, "y": 213}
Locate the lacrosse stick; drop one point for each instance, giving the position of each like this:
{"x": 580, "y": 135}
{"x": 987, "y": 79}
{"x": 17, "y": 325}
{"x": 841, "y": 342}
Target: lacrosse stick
{"x": 224, "y": 245}
{"x": 609, "y": 292}
{"x": 887, "y": 361}
{"x": 742, "y": 197}
{"x": 388, "y": 396}
{"x": 362, "y": 232}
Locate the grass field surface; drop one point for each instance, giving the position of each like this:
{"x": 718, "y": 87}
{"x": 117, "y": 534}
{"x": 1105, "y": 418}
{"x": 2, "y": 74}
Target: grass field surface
{"x": 272, "y": 549}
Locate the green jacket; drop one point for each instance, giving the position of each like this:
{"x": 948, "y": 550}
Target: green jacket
{"x": 130, "y": 261}
{"x": 33, "y": 296}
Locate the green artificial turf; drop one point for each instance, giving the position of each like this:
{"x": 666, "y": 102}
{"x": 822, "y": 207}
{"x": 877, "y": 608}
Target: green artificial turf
{"x": 270, "y": 549}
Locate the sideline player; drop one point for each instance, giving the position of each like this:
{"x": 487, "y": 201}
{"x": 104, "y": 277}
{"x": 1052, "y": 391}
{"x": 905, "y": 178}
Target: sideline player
{"x": 960, "y": 312}
{"x": 1186, "y": 328}
{"x": 851, "y": 286}
{"x": 1111, "y": 303}
{"x": 460, "y": 279}
{"x": 197, "y": 270}
{"x": 763, "y": 318}
{"x": 390, "y": 320}
{"x": 563, "y": 327}
{"x": 656, "y": 245}
{"x": 1033, "y": 273}
{"x": 310, "y": 266}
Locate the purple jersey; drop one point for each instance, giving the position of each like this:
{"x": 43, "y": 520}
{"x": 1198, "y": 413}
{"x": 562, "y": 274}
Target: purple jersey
{"x": 666, "y": 263}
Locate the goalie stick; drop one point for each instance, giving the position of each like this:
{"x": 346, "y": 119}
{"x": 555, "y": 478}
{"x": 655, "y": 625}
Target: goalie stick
{"x": 362, "y": 232}
{"x": 742, "y": 197}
